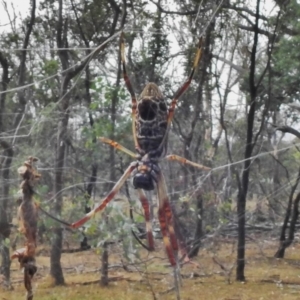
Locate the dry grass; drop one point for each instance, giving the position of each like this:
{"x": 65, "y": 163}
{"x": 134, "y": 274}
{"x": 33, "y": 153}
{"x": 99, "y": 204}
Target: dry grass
{"x": 213, "y": 277}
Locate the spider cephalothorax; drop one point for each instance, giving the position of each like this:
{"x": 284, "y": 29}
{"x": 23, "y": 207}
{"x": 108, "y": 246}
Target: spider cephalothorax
{"x": 145, "y": 176}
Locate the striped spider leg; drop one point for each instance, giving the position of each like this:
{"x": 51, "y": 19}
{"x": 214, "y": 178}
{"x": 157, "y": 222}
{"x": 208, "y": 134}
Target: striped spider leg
{"x": 108, "y": 198}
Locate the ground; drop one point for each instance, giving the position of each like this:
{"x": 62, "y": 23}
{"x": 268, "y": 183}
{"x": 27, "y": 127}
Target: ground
{"x": 210, "y": 276}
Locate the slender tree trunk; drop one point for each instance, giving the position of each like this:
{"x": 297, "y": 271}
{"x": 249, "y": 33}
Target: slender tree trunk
{"x": 199, "y": 228}
{"x": 4, "y": 186}
{"x": 283, "y": 243}
{"x": 242, "y": 194}
{"x": 287, "y": 242}
{"x": 63, "y": 110}
{"x": 113, "y": 115}
{"x": 4, "y": 216}
{"x": 104, "y": 268}
{"x": 56, "y": 245}
{"x": 90, "y": 186}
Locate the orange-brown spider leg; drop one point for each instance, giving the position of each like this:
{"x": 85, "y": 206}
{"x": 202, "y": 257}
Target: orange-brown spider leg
{"x": 108, "y": 198}
{"x": 146, "y": 207}
{"x": 187, "y": 162}
{"x": 131, "y": 91}
{"x": 181, "y": 90}
{"x": 186, "y": 84}
{"x": 166, "y": 219}
{"x": 118, "y": 146}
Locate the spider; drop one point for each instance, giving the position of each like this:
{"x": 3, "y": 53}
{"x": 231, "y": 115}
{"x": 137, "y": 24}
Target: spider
{"x": 151, "y": 121}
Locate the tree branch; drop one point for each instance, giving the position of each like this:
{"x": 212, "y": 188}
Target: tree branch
{"x": 287, "y": 129}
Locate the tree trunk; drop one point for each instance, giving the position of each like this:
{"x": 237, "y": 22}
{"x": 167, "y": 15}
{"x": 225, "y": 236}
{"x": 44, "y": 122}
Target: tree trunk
{"x": 63, "y": 107}
{"x": 104, "y": 269}
{"x": 113, "y": 115}
{"x": 286, "y": 243}
{"x": 6, "y": 162}
{"x": 199, "y": 230}
{"x": 56, "y": 245}
{"x": 243, "y": 189}
{"x": 4, "y": 217}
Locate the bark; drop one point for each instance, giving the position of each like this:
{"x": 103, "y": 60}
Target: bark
{"x": 242, "y": 194}
{"x": 4, "y": 204}
{"x": 288, "y": 129}
{"x": 6, "y": 162}
{"x": 104, "y": 269}
{"x": 90, "y": 186}
{"x": 56, "y": 245}
{"x": 283, "y": 243}
{"x": 4, "y": 83}
{"x": 199, "y": 226}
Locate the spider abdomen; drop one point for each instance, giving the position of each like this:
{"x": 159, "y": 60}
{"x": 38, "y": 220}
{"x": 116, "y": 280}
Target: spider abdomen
{"x": 151, "y": 119}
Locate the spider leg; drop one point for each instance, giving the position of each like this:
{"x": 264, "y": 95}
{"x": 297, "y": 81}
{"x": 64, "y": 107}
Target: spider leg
{"x": 118, "y": 146}
{"x": 108, "y": 198}
{"x": 146, "y": 208}
{"x": 181, "y": 241}
{"x": 181, "y": 90}
{"x": 131, "y": 91}
{"x": 186, "y": 161}
{"x": 186, "y": 84}
{"x": 166, "y": 219}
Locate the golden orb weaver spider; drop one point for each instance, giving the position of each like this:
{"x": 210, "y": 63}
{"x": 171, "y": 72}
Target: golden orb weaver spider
{"x": 151, "y": 121}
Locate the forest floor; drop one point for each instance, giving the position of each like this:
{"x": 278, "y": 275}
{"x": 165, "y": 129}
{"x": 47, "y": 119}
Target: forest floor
{"x": 211, "y": 275}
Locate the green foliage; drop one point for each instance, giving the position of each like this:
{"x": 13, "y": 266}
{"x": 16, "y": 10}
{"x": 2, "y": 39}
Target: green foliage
{"x": 13, "y": 37}
{"x": 43, "y": 189}
{"x": 286, "y": 57}
{"x": 102, "y": 93}
{"x": 5, "y": 243}
{"x": 225, "y": 211}
{"x": 112, "y": 225}
{"x": 50, "y": 67}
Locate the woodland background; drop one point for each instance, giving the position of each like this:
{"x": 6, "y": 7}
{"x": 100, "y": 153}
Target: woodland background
{"x": 62, "y": 87}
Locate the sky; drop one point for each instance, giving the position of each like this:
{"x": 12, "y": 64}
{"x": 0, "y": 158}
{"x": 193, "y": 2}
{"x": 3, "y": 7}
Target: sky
{"x": 21, "y": 7}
